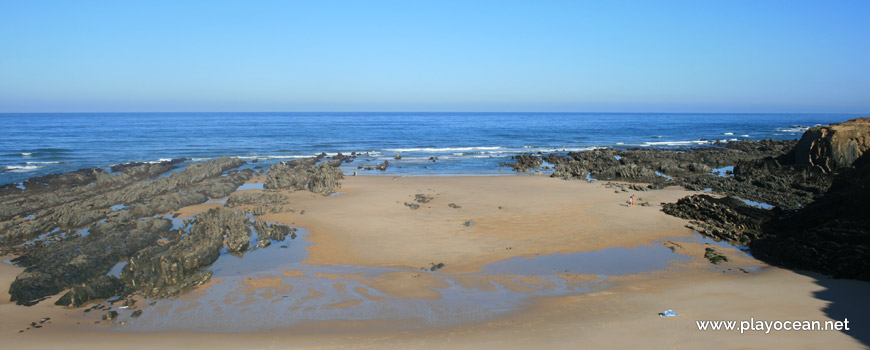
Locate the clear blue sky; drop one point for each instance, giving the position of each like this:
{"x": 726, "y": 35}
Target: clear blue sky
{"x": 631, "y": 56}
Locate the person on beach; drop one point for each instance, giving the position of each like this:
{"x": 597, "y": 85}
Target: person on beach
{"x": 631, "y": 201}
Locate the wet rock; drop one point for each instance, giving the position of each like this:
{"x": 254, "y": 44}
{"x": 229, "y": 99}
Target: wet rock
{"x": 166, "y": 271}
{"x": 102, "y": 287}
{"x": 238, "y": 199}
{"x": 413, "y": 206}
{"x": 724, "y": 218}
{"x": 525, "y": 162}
{"x": 454, "y": 206}
{"x": 436, "y": 267}
{"x": 422, "y": 198}
{"x": 83, "y": 260}
{"x": 713, "y": 256}
{"x": 136, "y": 314}
{"x": 109, "y": 316}
{"x": 382, "y": 166}
{"x": 73, "y": 208}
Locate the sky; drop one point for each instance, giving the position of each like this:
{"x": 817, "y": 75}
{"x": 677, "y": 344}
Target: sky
{"x": 507, "y": 56}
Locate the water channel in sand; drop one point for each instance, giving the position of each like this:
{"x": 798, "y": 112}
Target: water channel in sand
{"x": 271, "y": 287}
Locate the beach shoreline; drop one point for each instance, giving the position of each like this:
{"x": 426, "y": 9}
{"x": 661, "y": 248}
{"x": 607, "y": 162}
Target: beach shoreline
{"x": 368, "y": 224}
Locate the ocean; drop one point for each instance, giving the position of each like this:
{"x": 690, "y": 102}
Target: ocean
{"x": 464, "y": 143}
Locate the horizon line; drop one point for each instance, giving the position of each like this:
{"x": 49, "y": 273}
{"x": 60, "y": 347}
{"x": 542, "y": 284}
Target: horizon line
{"x": 427, "y": 112}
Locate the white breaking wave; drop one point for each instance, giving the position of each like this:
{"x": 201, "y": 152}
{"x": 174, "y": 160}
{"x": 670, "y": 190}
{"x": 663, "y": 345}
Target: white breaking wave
{"x": 446, "y": 149}
{"x": 794, "y": 129}
{"x": 728, "y": 133}
{"x": 42, "y": 162}
{"x": 21, "y": 169}
{"x": 26, "y": 154}
{"x": 744, "y": 135}
{"x": 675, "y": 143}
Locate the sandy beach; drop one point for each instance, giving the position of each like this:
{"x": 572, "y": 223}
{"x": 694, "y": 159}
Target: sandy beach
{"x": 492, "y": 219}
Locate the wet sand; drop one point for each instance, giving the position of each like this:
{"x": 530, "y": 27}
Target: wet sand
{"x": 369, "y": 226}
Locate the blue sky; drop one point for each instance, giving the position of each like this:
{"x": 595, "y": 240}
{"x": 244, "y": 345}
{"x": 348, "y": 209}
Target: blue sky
{"x": 571, "y": 56}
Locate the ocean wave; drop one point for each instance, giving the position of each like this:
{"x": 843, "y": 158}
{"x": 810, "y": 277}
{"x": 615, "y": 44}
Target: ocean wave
{"x": 675, "y": 143}
{"x": 445, "y": 149}
{"x": 728, "y": 133}
{"x": 29, "y": 163}
{"x": 21, "y": 168}
{"x": 26, "y": 154}
{"x": 795, "y": 129}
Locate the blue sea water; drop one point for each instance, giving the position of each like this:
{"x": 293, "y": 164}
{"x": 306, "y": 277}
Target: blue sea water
{"x": 464, "y": 143}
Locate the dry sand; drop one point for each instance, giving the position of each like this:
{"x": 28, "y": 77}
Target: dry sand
{"x": 369, "y": 225}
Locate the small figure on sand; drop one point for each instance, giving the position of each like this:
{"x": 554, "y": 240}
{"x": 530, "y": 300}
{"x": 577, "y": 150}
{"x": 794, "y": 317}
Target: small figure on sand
{"x": 631, "y": 201}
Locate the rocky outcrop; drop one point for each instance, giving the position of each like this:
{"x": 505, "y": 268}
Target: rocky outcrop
{"x": 51, "y": 268}
{"x": 102, "y": 287}
{"x": 525, "y": 162}
{"x": 255, "y": 198}
{"x": 78, "y": 230}
{"x": 821, "y": 188}
{"x": 760, "y": 173}
{"x": 726, "y": 218}
{"x": 829, "y": 148}
{"x": 304, "y": 174}
{"x": 63, "y": 212}
{"x": 830, "y": 235}
{"x": 161, "y": 271}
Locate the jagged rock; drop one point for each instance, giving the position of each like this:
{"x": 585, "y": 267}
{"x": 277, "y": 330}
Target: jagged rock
{"x": 237, "y": 199}
{"x": 525, "y": 162}
{"x": 303, "y": 174}
{"x": 102, "y": 287}
{"x": 830, "y": 235}
{"x": 166, "y": 271}
{"x": 55, "y": 267}
{"x": 725, "y": 218}
{"x": 829, "y": 148}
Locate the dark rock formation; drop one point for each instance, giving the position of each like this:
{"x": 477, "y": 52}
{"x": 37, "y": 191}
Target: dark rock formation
{"x": 830, "y": 235}
{"x": 54, "y": 267}
{"x": 303, "y": 174}
{"x": 828, "y": 231}
{"x": 102, "y": 287}
{"x": 525, "y": 162}
{"x": 166, "y": 271}
{"x": 723, "y": 218}
{"x": 75, "y": 234}
{"x": 255, "y": 198}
